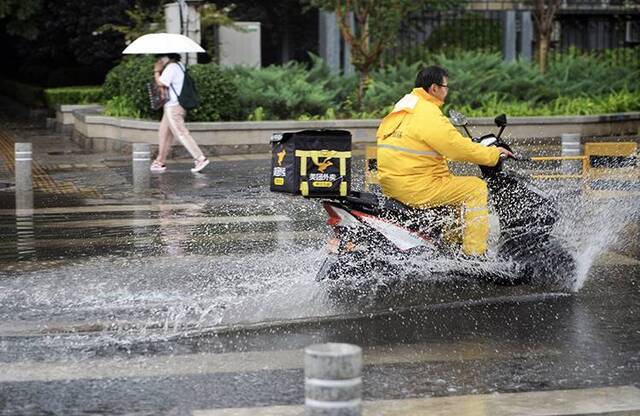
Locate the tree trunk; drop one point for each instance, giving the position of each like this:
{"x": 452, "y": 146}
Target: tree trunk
{"x": 543, "y": 49}
{"x": 363, "y": 80}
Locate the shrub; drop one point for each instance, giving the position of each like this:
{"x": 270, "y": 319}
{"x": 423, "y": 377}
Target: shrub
{"x": 574, "y": 75}
{"x": 121, "y": 106}
{"x": 72, "y": 95}
{"x": 388, "y": 85}
{"x": 218, "y": 94}
{"x": 284, "y": 92}
{"x": 129, "y": 79}
{"x": 216, "y": 89}
{"x": 343, "y": 87}
{"x": 615, "y": 102}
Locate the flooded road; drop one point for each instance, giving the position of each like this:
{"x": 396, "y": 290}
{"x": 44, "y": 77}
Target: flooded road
{"x": 199, "y": 295}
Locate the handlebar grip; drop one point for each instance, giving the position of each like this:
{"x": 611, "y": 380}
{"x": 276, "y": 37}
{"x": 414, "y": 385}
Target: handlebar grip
{"x": 521, "y": 158}
{"x": 515, "y": 157}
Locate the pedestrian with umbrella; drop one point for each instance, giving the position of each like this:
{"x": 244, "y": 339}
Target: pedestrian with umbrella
{"x": 171, "y": 76}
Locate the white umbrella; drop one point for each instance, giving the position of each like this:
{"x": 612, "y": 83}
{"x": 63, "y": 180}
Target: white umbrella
{"x": 157, "y": 43}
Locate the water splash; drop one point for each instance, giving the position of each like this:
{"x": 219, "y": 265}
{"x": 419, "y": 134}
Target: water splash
{"x": 591, "y": 226}
{"x": 588, "y": 226}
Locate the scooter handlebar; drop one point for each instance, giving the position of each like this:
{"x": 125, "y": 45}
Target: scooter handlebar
{"x": 516, "y": 156}
{"x": 522, "y": 158}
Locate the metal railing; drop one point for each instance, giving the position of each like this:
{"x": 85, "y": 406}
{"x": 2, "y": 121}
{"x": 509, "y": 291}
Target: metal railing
{"x": 602, "y": 161}
{"x": 607, "y": 27}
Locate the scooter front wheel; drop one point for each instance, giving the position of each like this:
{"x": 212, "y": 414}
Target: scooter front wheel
{"x": 353, "y": 267}
{"x": 345, "y": 266}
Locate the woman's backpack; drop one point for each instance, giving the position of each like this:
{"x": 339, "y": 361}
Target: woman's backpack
{"x": 188, "y": 97}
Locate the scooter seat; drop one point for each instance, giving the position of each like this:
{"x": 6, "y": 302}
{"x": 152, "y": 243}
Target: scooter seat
{"x": 395, "y": 206}
{"x": 363, "y": 201}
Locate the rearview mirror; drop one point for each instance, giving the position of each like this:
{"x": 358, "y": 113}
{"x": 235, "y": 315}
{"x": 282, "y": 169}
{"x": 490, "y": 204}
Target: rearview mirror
{"x": 501, "y": 120}
{"x": 458, "y": 119}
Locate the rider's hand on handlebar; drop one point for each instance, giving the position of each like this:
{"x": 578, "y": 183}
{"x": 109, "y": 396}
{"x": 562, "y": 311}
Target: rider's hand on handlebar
{"x": 504, "y": 153}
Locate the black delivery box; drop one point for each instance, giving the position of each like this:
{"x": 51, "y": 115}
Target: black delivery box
{"x": 311, "y": 162}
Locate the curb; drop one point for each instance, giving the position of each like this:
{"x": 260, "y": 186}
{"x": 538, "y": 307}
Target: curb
{"x": 91, "y": 130}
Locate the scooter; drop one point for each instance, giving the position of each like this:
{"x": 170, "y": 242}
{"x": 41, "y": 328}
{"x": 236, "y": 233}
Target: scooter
{"x": 373, "y": 234}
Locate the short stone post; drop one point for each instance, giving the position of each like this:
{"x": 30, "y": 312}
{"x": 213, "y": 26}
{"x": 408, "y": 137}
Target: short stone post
{"x": 25, "y": 241}
{"x": 571, "y": 146}
{"x": 333, "y": 382}
{"x": 141, "y": 163}
{"x": 24, "y": 178}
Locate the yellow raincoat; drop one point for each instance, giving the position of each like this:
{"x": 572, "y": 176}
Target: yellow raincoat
{"x": 414, "y": 142}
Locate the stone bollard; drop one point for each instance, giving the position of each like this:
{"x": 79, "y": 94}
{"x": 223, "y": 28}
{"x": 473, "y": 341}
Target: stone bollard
{"x": 333, "y": 382}
{"x": 24, "y": 178}
{"x": 571, "y": 146}
{"x": 141, "y": 163}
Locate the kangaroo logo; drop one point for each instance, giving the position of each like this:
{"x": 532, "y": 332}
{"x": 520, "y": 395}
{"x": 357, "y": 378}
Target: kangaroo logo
{"x": 322, "y": 166}
{"x": 281, "y": 156}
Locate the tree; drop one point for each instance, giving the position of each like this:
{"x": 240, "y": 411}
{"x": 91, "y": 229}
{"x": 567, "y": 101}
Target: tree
{"x": 62, "y": 48}
{"x": 141, "y": 20}
{"x": 376, "y": 24}
{"x": 544, "y": 14}
{"x": 19, "y": 15}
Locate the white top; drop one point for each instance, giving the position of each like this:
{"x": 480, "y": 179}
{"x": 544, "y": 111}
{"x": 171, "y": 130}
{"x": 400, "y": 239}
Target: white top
{"x": 172, "y": 76}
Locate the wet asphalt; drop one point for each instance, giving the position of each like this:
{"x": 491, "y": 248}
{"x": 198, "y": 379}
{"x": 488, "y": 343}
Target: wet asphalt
{"x": 199, "y": 293}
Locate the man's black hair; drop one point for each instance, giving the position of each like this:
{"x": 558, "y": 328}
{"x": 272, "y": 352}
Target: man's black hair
{"x": 430, "y": 75}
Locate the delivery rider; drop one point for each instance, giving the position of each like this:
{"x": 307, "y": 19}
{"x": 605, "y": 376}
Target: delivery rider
{"x": 414, "y": 142}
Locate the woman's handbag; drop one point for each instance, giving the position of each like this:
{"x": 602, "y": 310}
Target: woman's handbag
{"x": 158, "y": 95}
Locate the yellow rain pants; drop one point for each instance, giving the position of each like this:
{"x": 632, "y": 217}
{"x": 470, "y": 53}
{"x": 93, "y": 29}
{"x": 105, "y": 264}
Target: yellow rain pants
{"x": 414, "y": 142}
{"x": 471, "y": 193}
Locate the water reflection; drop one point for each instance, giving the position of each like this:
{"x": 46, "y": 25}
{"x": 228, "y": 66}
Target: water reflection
{"x": 25, "y": 236}
{"x": 139, "y": 231}
{"x": 172, "y": 237}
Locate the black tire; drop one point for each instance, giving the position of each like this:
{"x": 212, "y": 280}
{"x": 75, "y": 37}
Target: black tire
{"x": 354, "y": 267}
{"x": 553, "y": 267}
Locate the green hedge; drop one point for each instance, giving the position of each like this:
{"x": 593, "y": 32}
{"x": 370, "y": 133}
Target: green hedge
{"x": 218, "y": 94}
{"x": 127, "y": 85}
{"x": 129, "y": 80}
{"x": 29, "y": 95}
{"x": 72, "y": 95}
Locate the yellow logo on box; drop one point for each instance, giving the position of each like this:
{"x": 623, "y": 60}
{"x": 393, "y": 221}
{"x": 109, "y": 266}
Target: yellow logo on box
{"x": 278, "y": 181}
{"x": 321, "y": 184}
{"x": 281, "y": 156}
{"x": 322, "y": 166}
